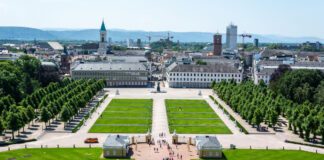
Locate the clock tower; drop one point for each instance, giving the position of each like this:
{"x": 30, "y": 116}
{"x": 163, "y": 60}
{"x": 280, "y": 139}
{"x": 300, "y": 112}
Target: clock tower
{"x": 102, "y": 50}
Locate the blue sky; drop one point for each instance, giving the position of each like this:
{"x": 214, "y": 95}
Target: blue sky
{"x": 294, "y": 18}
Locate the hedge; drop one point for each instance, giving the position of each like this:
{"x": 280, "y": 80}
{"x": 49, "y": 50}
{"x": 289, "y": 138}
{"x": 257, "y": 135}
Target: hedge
{"x": 17, "y": 142}
{"x": 305, "y": 144}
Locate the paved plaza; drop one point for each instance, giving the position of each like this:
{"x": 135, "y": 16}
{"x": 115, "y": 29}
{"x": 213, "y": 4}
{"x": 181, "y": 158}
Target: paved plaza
{"x": 160, "y": 125}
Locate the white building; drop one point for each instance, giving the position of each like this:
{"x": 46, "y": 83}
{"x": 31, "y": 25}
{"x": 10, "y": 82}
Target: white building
{"x": 102, "y": 50}
{"x": 264, "y": 69}
{"x": 130, "y": 42}
{"x": 126, "y": 74}
{"x": 201, "y": 76}
{"x": 231, "y": 37}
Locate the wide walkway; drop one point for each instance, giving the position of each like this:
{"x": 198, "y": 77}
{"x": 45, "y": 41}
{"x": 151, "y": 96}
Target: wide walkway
{"x": 160, "y": 120}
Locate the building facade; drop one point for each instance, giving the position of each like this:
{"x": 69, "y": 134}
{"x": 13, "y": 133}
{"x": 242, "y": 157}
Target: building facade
{"x": 200, "y": 76}
{"x": 217, "y": 45}
{"x": 102, "y": 50}
{"x": 116, "y": 146}
{"x": 208, "y": 147}
{"x": 231, "y": 37}
{"x": 117, "y": 74}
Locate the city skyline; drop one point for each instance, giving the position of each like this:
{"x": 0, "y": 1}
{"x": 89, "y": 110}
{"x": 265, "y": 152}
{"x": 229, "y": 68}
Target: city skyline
{"x": 288, "y": 18}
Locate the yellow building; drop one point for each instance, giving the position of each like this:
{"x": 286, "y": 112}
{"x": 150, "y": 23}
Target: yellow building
{"x": 208, "y": 147}
{"x": 116, "y": 146}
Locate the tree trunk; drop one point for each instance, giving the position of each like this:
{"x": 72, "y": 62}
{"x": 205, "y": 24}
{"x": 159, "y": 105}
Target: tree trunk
{"x": 294, "y": 129}
{"x": 323, "y": 138}
{"x": 13, "y": 134}
{"x": 289, "y": 126}
{"x": 306, "y": 135}
{"x": 301, "y": 134}
{"x": 23, "y": 128}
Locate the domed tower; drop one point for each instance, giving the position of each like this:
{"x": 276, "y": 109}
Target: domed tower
{"x": 102, "y": 50}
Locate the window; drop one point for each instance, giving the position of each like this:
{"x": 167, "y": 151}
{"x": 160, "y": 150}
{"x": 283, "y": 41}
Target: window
{"x": 114, "y": 152}
{"x": 210, "y": 154}
{"x": 217, "y": 154}
{"x": 108, "y": 153}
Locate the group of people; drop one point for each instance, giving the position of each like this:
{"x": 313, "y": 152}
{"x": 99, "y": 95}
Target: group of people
{"x": 161, "y": 135}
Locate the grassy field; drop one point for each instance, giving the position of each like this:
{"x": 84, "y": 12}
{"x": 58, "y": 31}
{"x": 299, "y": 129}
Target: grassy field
{"x": 125, "y": 116}
{"x": 54, "y": 154}
{"x": 195, "y": 114}
{"x": 246, "y": 154}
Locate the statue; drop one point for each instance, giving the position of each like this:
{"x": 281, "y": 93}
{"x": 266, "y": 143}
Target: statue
{"x": 158, "y": 87}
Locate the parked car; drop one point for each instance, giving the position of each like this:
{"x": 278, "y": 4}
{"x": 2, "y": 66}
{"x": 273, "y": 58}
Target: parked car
{"x": 91, "y": 140}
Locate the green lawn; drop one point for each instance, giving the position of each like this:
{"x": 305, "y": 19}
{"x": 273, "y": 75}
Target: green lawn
{"x": 119, "y": 129}
{"x": 131, "y": 104}
{"x": 127, "y": 116}
{"x": 54, "y": 154}
{"x": 187, "y": 109}
{"x": 200, "y": 130}
{"x": 132, "y": 100}
{"x": 123, "y": 121}
{"x": 136, "y": 109}
{"x": 113, "y": 114}
{"x": 183, "y": 105}
{"x": 193, "y": 109}
{"x": 246, "y": 154}
{"x": 196, "y": 122}
{"x": 192, "y": 115}
{"x": 181, "y": 101}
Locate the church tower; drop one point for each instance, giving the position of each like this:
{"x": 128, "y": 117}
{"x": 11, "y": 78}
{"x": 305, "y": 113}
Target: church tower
{"x": 102, "y": 50}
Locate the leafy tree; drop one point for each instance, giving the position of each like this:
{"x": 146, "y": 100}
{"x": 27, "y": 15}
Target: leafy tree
{"x": 65, "y": 114}
{"x": 319, "y": 94}
{"x": 199, "y": 62}
{"x": 31, "y": 113}
{"x": 13, "y": 122}
{"x": 277, "y": 74}
{"x": 257, "y": 117}
{"x": 321, "y": 127}
{"x": 45, "y": 115}
{"x": 2, "y": 126}
{"x": 27, "y": 85}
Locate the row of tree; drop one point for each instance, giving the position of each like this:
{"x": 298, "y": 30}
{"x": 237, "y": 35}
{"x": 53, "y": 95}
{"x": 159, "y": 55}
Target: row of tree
{"x": 69, "y": 104}
{"x": 258, "y": 103}
{"x": 51, "y": 101}
{"x": 16, "y": 115}
{"x": 254, "y": 103}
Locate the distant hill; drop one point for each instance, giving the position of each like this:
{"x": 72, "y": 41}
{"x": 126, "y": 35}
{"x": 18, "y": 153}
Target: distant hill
{"x": 25, "y": 33}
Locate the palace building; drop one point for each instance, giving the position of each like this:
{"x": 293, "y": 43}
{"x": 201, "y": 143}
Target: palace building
{"x": 130, "y": 74}
{"x": 201, "y": 76}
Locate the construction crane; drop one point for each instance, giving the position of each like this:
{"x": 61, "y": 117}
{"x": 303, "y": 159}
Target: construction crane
{"x": 243, "y": 36}
{"x": 168, "y": 37}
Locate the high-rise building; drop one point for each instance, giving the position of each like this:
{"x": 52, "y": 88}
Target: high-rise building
{"x": 231, "y": 37}
{"x": 139, "y": 43}
{"x": 103, "y": 40}
{"x": 256, "y": 42}
{"x": 130, "y": 42}
{"x": 217, "y": 45}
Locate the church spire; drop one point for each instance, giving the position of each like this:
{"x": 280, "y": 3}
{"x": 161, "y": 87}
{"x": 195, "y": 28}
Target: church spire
{"x": 103, "y": 28}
